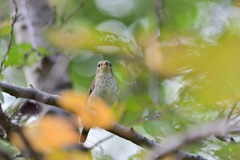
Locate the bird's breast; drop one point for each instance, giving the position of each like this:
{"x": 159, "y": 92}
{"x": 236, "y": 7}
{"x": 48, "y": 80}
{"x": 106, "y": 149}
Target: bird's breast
{"x": 106, "y": 88}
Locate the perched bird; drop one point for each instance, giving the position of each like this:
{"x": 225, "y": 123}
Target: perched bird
{"x": 104, "y": 86}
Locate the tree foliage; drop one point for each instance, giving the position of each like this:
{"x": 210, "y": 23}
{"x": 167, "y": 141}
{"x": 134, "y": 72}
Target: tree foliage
{"x": 177, "y": 64}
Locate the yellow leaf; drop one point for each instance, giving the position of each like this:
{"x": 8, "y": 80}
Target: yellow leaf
{"x": 73, "y": 40}
{"x": 213, "y": 69}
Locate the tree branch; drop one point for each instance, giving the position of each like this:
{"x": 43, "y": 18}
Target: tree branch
{"x": 121, "y": 131}
{"x": 132, "y": 135}
{"x": 202, "y": 131}
{"x": 30, "y": 93}
{"x": 14, "y": 19}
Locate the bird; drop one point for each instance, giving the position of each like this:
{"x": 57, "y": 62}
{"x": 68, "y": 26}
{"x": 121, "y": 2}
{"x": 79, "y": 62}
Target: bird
{"x": 104, "y": 86}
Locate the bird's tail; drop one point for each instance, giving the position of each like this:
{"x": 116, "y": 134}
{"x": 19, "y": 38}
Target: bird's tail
{"x": 83, "y": 134}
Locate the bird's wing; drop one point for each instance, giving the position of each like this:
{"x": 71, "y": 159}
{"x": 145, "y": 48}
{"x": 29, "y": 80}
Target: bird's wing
{"x": 91, "y": 87}
{"x": 85, "y": 129}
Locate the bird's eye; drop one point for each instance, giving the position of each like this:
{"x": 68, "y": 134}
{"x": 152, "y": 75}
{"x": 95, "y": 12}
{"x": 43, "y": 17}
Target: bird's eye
{"x": 98, "y": 65}
{"x": 110, "y": 65}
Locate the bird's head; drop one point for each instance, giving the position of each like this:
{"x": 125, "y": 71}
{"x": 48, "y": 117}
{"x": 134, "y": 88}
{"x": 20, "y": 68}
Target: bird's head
{"x": 104, "y": 67}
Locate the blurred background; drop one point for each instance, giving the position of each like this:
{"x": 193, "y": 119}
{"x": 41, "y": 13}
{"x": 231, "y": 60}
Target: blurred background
{"x": 177, "y": 64}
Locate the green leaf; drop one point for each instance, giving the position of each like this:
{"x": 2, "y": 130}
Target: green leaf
{"x": 153, "y": 128}
{"x": 134, "y": 109}
{"x": 158, "y": 127}
{"x": 16, "y": 55}
{"x": 9, "y": 149}
{"x": 43, "y": 51}
{"x": 228, "y": 152}
{"x": 31, "y": 58}
{"x": 180, "y": 18}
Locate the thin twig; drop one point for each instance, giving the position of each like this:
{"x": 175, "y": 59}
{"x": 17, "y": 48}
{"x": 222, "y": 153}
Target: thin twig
{"x": 14, "y": 19}
{"x": 101, "y": 141}
{"x": 71, "y": 14}
{"x": 53, "y": 16}
{"x": 224, "y": 136}
{"x": 176, "y": 32}
{"x": 228, "y": 118}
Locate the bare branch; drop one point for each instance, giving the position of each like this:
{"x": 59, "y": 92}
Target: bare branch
{"x": 132, "y": 135}
{"x": 121, "y": 131}
{"x": 186, "y": 138}
{"x": 30, "y": 93}
{"x": 14, "y": 19}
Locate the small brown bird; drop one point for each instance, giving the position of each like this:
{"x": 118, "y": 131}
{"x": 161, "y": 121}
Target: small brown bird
{"x": 104, "y": 86}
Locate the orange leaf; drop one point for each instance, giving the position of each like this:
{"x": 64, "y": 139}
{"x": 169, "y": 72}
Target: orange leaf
{"x": 50, "y": 133}
{"x": 96, "y": 113}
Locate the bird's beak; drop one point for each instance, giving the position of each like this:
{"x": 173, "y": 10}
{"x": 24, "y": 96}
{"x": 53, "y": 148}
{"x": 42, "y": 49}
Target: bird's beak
{"x": 106, "y": 63}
